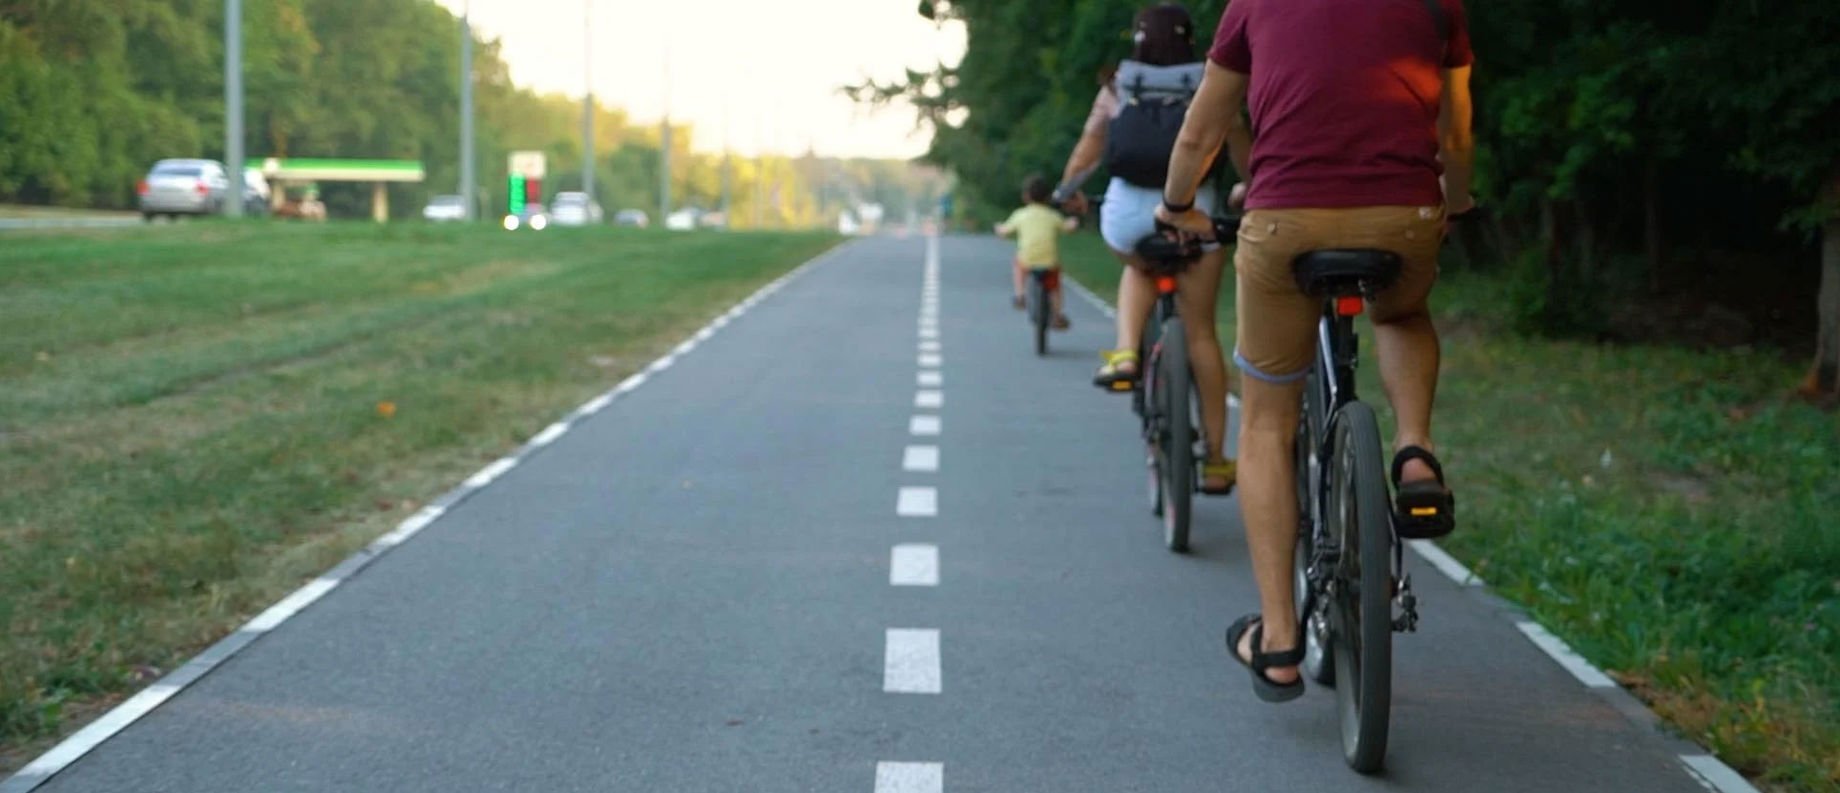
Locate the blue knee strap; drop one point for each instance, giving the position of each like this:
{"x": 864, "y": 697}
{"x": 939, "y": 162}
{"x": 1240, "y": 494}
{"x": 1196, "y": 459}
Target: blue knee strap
{"x": 1274, "y": 379}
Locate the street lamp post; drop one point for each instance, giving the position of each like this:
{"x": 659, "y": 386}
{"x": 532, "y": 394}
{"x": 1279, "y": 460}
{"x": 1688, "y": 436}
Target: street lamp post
{"x": 587, "y": 102}
{"x": 468, "y": 181}
{"x": 233, "y": 105}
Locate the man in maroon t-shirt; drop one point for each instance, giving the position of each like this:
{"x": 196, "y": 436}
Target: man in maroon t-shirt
{"x": 1357, "y": 111}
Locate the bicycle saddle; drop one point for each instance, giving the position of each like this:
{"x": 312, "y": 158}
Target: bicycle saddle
{"x": 1342, "y": 273}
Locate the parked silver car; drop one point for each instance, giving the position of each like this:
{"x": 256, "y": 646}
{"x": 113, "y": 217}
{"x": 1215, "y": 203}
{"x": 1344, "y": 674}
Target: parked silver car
{"x": 632, "y": 218}
{"x": 444, "y": 208}
{"x": 575, "y": 209}
{"x": 184, "y": 187}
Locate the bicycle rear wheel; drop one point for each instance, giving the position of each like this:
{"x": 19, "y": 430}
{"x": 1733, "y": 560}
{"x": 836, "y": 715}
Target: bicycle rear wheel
{"x": 1318, "y": 664}
{"x": 1361, "y": 616}
{"x": 1038, "y": 312}
{"x": 1176, "y": 453}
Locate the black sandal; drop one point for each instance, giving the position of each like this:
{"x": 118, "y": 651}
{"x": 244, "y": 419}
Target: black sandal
{"x": 1266, "y": 688}
{"x": 1424, "y": 509}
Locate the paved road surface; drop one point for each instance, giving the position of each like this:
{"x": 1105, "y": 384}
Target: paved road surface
{"x": 692, "y": 591}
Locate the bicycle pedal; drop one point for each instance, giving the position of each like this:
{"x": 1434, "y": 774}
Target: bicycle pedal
{"x": 1121, "y": 386}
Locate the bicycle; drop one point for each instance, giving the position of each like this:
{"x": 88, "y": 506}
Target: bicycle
{"x": 1353, "y": 592}
{"x": 1165, "y": 397}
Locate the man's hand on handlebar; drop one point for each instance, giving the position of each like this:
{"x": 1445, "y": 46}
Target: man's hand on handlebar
{"x": 1192, "y": 223}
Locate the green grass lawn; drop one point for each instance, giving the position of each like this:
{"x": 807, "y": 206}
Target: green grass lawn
{"x": 1665, "y": 510}
{"x": 195, "y": 419}
{"x": 18, "y": 211}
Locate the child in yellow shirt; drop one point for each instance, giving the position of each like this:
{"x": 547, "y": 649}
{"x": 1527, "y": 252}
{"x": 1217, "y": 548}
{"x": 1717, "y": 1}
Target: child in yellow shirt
{"x": 1037, "y": 227}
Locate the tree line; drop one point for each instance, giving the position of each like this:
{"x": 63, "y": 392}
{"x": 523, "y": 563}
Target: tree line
{"x": 92, "y": 92}
{"x": 1630, "y": 150}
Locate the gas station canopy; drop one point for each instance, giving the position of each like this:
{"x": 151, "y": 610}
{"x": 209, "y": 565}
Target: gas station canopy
{"x": 376, "y": 172}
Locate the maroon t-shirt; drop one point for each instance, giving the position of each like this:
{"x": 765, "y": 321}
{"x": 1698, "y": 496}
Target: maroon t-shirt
{"x": 1344, "y": 98}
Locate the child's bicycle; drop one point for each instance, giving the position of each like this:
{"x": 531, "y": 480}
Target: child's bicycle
{"x": 1040, "y": 304}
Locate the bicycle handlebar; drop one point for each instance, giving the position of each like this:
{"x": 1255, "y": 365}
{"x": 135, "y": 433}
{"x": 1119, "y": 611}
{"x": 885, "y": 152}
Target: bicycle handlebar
{"x": 1170, "y": 248}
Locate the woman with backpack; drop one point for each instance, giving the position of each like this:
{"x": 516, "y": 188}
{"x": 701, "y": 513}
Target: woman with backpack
{"x": 1131, "y": 131}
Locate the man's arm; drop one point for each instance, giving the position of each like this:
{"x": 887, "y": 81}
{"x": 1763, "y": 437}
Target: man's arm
{"x": 1004, "y": 230}
{"x": 1070, "y": 224}
{"x": 1213, "y": 119}
{"x": 1456, "y": 141}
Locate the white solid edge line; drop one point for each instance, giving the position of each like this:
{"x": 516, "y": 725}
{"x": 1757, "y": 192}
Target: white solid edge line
{"x": 910, "y": 777}
{"x": 550, "y": 434}
{"x": 929, "y": 398}
{"x": 290, "y": 605}
{"x": 925, "y": 425}
{"x": 913, "y": 564}
{"x": 917, "y": 502}
{"x": 1444, "y": 562}
{"x": 631, "y": 383}
{"x": 596, "y": 404}
{"x": 491, "y": 472}
{"x": 118, "y": 718}
{"x": 910, "y": 661}
{"x": 1563, "y": 654}
{"x": 1715, "y": 774}
{"x": 685, "y": 347}
{"x": 931, "y": 378}
{"x": 662, "y": 364}
{"x": 410, "y": 526}
{"x": 923, "y": 459}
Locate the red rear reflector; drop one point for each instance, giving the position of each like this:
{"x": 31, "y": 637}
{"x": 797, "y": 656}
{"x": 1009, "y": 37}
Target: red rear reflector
{"x": 1348, "y": 306}
{"x": 141, "y": 188}
{"x": 1165, "y": 284}
{"x": 203, "y": 188}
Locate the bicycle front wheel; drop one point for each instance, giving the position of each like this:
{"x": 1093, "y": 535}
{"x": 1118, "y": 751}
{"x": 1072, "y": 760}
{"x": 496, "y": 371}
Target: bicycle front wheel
{"x": 1173, "y": 391}
{"x": 1361, "y": 616}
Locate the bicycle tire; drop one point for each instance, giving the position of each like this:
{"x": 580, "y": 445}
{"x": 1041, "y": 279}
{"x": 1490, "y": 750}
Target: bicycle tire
{"x": 1038, "y": 313}
{"x": 1318, "y": 663}
{"x": 1174, "y": 391}
{"x": 1362, "y": 619}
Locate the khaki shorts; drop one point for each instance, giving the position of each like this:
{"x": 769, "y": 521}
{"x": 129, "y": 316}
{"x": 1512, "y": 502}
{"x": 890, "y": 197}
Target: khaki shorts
{"x": 1277, "y": 322}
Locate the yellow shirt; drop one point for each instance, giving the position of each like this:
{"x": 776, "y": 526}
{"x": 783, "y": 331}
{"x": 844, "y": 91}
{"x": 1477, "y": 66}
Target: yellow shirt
{"x": 1038, "y": 229}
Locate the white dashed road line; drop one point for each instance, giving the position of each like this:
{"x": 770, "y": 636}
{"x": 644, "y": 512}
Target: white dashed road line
{"x": 910, "y": 777}
{"x": 917, "y": 502}
{"x": 911, "y": 661}
{"x": 930, "y": 379}
{"x": 1561, "y": 652}
{"x": 1714, "y": 774}
{"x": 924, "y": 459}
{"x": 913, "y": 564}
{"x": 925, "y": 425}
{"x": 931, "y": 360}
{"x": 929, "y": 398}
{"x": 1444, "y": 562}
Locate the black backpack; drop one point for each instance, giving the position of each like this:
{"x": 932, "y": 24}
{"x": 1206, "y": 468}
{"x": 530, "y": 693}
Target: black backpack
{"x": 1140, "y": 139}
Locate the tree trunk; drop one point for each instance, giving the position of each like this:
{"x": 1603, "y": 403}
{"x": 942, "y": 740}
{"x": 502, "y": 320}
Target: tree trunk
{"x": 1824, "y": 377}
{"x": 1651, "y": 223}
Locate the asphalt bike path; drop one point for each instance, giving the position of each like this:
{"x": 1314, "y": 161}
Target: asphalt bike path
{"x": 863, "y": 539}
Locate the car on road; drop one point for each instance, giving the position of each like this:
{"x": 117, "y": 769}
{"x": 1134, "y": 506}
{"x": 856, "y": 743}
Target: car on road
{"x": 183, "y": 187}
{"x": 683, "y": 219}
{"x": 533, "y": 217}
{"x": 574, "y": 209}
{"x": 444, "y": 208}
{"x": 256, "y": 193}
{"x": 632, "y": 218}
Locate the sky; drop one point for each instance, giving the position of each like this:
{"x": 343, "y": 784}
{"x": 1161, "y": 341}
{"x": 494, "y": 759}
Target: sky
{"x": 767, "y": 72}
